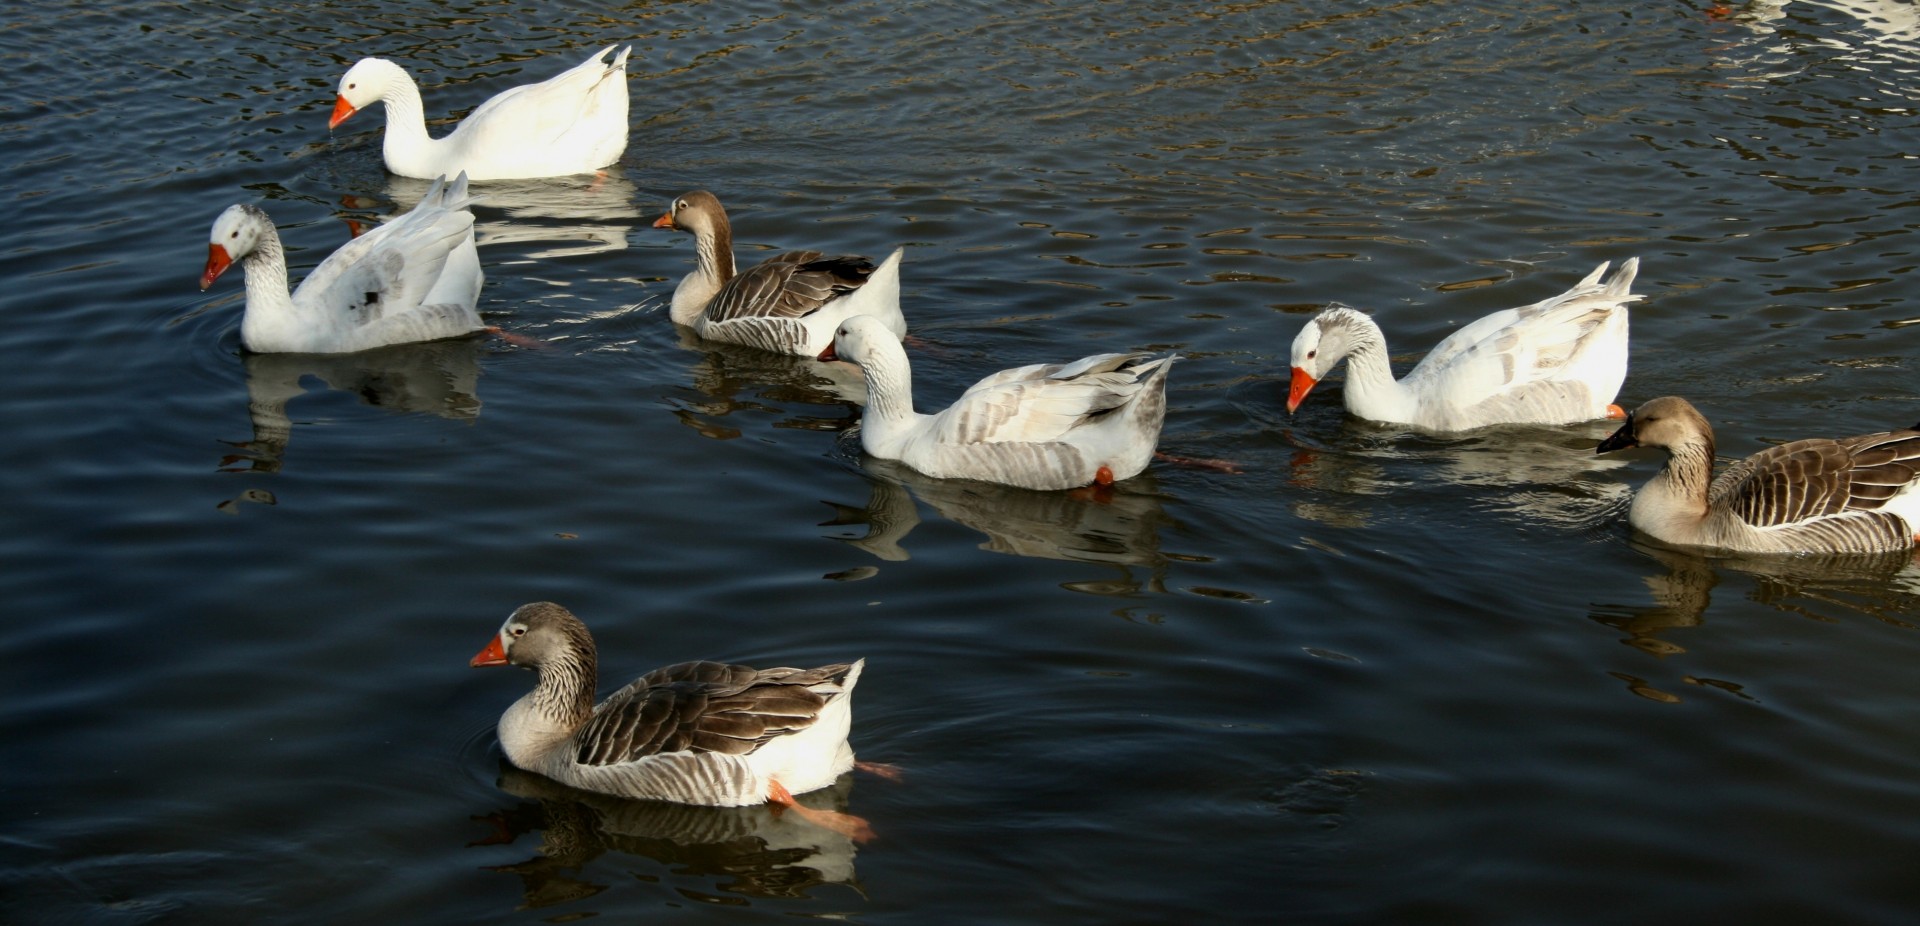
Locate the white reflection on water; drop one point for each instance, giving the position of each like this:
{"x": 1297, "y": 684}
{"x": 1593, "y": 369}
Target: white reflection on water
{"x": 756, "y": 851}
{"x": 1120, "y": 526}
{"x": 439, "y": 378}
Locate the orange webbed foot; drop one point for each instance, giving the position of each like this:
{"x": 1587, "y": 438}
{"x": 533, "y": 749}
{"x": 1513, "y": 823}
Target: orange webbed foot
{"x": 846, "y": 824}
{"x": 887, "y": 770}
{"x": 1213, "y": 463}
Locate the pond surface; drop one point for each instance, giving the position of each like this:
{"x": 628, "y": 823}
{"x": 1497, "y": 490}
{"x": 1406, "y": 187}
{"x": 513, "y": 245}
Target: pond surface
{"x": 1375, "y": 677}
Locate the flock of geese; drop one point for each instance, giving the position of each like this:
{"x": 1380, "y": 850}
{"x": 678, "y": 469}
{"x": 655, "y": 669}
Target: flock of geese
{"x": 708, "y": 733}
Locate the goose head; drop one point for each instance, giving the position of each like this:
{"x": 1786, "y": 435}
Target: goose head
{"x": 1323, "y": 343}
{"x": 857, "y": 338}
{"x": 536, "y": 635}
{"x": 1665, "y": 422}
{"x": 363, "y": 85}
{"x": 235, "y": 235}
{"x": 698, "y": 212}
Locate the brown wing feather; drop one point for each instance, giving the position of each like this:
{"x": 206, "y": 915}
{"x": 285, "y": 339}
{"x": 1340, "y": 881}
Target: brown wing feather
{"x": 788, "y": 285}
{"x": 1808, "y": 479}
{"x": 705, "y": 707}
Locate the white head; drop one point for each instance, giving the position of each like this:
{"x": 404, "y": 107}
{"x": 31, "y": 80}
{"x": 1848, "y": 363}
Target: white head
{"x": 235, "y": 235}
{"x": 1322, "y": 344}
{"x": 363, "y": 85}
{"x": 858, "y": 338}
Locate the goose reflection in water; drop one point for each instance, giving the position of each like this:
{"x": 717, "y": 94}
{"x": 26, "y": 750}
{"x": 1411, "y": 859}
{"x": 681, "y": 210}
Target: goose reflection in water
{"x": 1119, "y": 527}
{"x": 579, "y": 213}
{"x": 438, "y": 378}
{"x": 754, "y": 851}
{"x": 1829, "y": 589}
{"x": 731, "y": 378}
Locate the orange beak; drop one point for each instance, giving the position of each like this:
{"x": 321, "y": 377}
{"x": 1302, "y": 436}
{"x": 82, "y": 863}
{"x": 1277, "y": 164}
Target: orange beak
{"x": 494, "y": 655}
{"x": 341, "y": 110}
{"x": 1302, "y": 384}
{"x": 217, "y": 263}
{"x": 829, "y": 354}
{"x": 664, "y": 221}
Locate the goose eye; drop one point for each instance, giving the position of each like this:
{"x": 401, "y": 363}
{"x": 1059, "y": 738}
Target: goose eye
{"x": 519, "y": 631}
{"x": 1312, "y": 354}
{"x": 351, "y": 86}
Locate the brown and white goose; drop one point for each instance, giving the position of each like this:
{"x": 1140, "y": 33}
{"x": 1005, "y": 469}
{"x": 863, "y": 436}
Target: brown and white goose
{"x": 1851, "y": 495}
{"x": 790, "y": 303}
{"x": 693, "y": 733}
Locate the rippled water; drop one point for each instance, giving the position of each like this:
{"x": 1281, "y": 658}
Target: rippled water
{"x": 1376, "y": 677}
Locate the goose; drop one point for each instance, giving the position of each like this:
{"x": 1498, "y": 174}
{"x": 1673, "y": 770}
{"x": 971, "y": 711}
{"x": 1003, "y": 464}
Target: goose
{"x": 415, "y": 278}
{"x": 1556, "y": 361}
{"x": 1851, "y": 495}
{"x": 789, "y": 303}
{"x": 693, "y": 733}
{"x": 1046, "y": 426}
{"x": 573, "y": 123}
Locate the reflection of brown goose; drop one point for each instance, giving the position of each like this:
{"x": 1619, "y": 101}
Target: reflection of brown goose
{"x": 759, "y": 851}
{"x": 1852, "y": 495}
{"x": 693, "y": 733}
{"x": 789, "y": 303}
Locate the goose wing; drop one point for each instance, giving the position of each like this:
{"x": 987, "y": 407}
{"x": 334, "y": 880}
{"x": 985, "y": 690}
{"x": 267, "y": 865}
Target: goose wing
{"x": 1810, "y": 479}
{"x": 1040, "y": 403}
{"x": 789, "y": 285}
{"x": 392, "y": 268}
{"x": 705, "y": 707}
{"x": 1549, "y": 341}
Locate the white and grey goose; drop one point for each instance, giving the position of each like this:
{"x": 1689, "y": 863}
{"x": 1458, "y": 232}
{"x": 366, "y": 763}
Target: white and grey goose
{"x": 1850, "y": 495}
{"x": 692, "y": 733}
{"x": 789, "y": 303}
{"x": 1556, "y": 361}
{"x": 1094, "y": 421}
{"x": 414, "y": 278}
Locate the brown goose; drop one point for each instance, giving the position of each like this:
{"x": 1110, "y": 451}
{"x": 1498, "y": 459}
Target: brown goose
{"x": 692, "y": 733}
{"x": 789, "y": 303}
{"x": 1851, "y": 495}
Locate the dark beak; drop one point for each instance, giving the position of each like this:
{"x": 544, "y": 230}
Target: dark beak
{"x": 1619, "y": 440}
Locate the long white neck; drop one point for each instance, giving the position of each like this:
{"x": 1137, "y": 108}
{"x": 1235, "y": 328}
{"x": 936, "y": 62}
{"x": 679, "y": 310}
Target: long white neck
{"x": 271, "y": 320}
{"x": 548, "y": 715}
{"x": 407, "y": 142}
{"x": 889, "y": 419}
{"x": 1371, "y": 390}
{"x": 713, "y": 267}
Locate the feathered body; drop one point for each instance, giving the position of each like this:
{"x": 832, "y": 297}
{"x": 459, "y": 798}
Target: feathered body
{"x": 790, "y": 303}
{"x": 1555, "y": 361}
{"x": 1045, "y": 426}
{"x": 1851, "y": 495}
{"x": 693, "y": 733}
{"x": 572, "y": 123}
{"x": 415, "y": 278}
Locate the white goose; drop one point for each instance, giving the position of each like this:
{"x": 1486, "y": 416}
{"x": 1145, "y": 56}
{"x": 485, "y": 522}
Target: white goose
{"x": 415, "y": 278}
{"x": 1046, "y": 426}
{"x": 693, "y": 733}
{"x": 1555, "y": 361}
{"x": 573, "y": 123}
{"x": 1852, "y": 495}
{"x": 789, "y": 303}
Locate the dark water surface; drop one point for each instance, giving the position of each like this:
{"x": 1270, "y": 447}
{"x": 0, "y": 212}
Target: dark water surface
{"x": 1378, "y": 677}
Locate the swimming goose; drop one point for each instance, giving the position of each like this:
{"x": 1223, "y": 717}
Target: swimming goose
{"x": 789, "y": 303}
{"x": 415, "y": 278}
{"x": 693, "y": 733}
{"x": 572, "y": 123}
{"x": 1852, "y": 495}
{"x": 1046, "y": 426}
{"x": 1555, "y": 361}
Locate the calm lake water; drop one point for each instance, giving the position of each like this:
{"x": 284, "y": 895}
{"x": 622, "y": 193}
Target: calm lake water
{"x": 1376, "y": 677}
